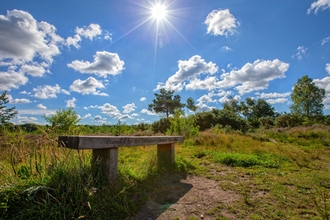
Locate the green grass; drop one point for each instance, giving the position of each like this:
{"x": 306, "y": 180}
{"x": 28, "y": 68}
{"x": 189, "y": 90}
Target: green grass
{"x": 279, "y": 174}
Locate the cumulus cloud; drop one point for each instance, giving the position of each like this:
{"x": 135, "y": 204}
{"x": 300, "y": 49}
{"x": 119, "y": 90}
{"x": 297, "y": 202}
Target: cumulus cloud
{"x": 188, "y": 69}
{"x": 11, "y": 100}
{"x": 105, "y": 63}
{"x": 221, "y": 22}
{"x": 110, "y": 110}
{"x": 318, "y": 5}
{"x": 47, "y": 91}
{"x": 129, "y": 108}
{"x": 41, "y": 106}
{"x": 146, "y": 111}
{"x": 299, "y": 52}
{"x": 25, "y": 120}
{"x": 202, "y": 107}
{"x": 25, "y": 37}
{"x": 36, "y": 70}
{"x": 71, "y": 103}
{"x": 254, "y": 76}
{"x": 274, "y": 95}
{"x": 88, "y": 86}
{"x": 90, "y": 32}
{"x": 142, "y": 99}
{"x": 206, "y": 98}
{"x": 88, "y": 115}
{"x": 12, "y": 79}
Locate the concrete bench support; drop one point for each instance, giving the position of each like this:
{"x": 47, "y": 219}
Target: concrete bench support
{"x": 108, "y": 161}
{"x": 105, "y": 149}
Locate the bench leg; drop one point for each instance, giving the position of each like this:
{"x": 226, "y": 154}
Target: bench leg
{"x": 108, "y": 161}
{"x": 165, "y": 154}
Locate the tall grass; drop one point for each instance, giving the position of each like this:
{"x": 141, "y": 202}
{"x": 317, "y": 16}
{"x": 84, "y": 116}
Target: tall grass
{"x": 280, "y": 174}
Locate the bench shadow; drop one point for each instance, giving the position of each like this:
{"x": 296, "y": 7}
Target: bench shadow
{"x": 167, "y": 191}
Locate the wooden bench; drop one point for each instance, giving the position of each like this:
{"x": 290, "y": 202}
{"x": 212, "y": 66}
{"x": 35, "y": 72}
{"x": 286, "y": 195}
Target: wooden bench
{"x": 105, "y": 148}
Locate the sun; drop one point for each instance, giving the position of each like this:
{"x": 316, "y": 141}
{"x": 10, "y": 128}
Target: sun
{"x": 158, "y": 12}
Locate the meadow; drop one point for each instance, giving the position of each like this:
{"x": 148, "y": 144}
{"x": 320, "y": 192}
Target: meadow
{"x": 277, "y": 173}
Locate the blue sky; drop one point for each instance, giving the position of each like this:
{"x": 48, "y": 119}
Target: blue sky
{"x": 107, "y": 58}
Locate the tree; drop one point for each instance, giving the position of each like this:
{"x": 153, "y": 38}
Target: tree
{"x": 165, "y": 102}
{"x": 307, "y": 98}
{"x": 191, "y": 104}
{"x": 6, "y": 114}
{"x": 64, "y": 120}
{"x": 232, "y": 105}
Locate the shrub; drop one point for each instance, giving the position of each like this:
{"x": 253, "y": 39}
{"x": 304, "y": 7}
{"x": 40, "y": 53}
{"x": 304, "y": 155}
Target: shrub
{"x": 288, "y": 120}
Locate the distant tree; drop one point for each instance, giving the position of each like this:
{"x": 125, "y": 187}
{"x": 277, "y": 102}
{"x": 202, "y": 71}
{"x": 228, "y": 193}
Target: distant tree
{"x": 64, "y": 120}
{"x": 6, "y": 114}
{"x": 166, "y": 102}
{"x": 191, "y": 104}
{"x": 232, "y": 105}
{"x": 307, "y": 98}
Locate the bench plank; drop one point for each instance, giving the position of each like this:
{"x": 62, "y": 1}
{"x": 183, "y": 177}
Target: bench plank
{"x": 104, "y": 142}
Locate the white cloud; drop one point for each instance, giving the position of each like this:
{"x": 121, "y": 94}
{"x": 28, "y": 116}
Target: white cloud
{"x": 201, "y": 107}
{"x": 277, "y": 100}
{"x": 206, "y": 98}
{"x": 104, "y": 63}
{"x": 90, "y": 32}
{"x": 327, "y": 67}
{"x": 254, "y": 76}
{"x": 88, "y": 115}
{"x": 325, "y": 40}
{"x": 129, "y": 108}
{"x": 36, "y": 111}
{"x": 88, "y": 86}
{"x": 25, "y": 37}
{"x": 146, "y": 111}
{"x": 17, "y": 101}
{"x": 24, "y": 120}
{"x": 71, "y": 103}
{"x": 142, "y": 99}
{"x": 226, "y": 48}
{"x": 110, "y": 110}
{"x": 221, "y": 22}
{"x": 319, "y": 5}
{"x": 209, "y": 83}
{"x": 188, "y": 69}
{"x": 274, "y": 95}
{"x": 41, "y": 106}
{"x": 324, "y": 84}
{"x": 12, "y": 80}
{"x": 35, "y": 70}
{"x": 299, "y": 52}
{"x": 47, "y": 91}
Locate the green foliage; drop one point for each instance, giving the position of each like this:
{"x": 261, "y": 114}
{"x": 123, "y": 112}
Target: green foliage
{"x": 6, "y": 114}
{"x": 165, "y": 102}
{"x": 245, "y": 160}
{"x": 206, "y": 120}
{"x": 288, "y": 120}
{"x": 161, "y": 126}
{"x": 307, "y": 98}
{"x": 191, "y": 104}
{"x": 182, "y": 125}
{"x": 64, "y": 121}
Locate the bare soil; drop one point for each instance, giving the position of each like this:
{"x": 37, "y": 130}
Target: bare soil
{"x": 180, "y": 196}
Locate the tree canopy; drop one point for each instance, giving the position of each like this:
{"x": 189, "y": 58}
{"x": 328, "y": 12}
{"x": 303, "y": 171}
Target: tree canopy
{"x": 307, "y": 98}
{"x": 166, "y": 102}
{"x": 64, "y": 120}
{"x": 191, "y": 104}
{"x": 6, "y": 114}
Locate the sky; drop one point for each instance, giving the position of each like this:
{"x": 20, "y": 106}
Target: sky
{"x": 107, "y": 58}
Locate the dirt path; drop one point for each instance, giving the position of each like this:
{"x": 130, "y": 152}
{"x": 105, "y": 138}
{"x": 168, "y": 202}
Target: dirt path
{"x": 182, "y": 197}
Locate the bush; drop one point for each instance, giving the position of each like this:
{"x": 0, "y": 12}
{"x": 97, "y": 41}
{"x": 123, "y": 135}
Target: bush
{"x": 288, "y": 120}
{"x": 161, "y": 126}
